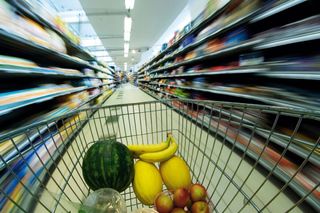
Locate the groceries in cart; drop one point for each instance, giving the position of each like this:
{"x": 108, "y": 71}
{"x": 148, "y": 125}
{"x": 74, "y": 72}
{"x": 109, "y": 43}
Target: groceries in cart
{"x": 110, "y": 164}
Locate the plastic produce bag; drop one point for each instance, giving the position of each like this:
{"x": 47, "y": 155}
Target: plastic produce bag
{"x": 103, "y": 201}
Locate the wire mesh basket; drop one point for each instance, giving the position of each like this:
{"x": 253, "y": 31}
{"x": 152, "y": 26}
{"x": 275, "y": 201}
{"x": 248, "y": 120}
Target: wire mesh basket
{"x": 250, "y": 158}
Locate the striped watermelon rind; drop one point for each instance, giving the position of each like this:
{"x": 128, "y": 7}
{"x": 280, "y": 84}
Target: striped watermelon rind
{"x": 108, "y": 164}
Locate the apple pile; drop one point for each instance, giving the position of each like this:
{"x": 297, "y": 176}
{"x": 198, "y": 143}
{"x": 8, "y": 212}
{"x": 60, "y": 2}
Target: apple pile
{"x": 184, "y": 200}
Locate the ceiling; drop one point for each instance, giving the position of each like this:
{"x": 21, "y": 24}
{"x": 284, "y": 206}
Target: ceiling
{"x": 150, "y": 18}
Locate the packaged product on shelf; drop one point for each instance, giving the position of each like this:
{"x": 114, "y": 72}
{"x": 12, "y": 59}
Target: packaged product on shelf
{"x": 29, "y": 29}
{"x": 213, "y": 6}
{"x": 10, "y": 60}
{"x": 88, "y": 72}
{"x": 67, "y": 71}
{"x": 236, "y": 36}
{"x": 250, "y": 59}
{"x": 187, "y": 41}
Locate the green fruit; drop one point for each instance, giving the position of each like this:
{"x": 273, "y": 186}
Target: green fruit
{"x": 108, "y": 164}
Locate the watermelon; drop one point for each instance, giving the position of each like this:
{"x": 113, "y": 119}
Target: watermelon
{"x": 108, "y": 164}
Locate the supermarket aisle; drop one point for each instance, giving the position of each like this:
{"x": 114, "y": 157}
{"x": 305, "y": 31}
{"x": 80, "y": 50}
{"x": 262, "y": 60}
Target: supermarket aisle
{"x": 127, "y": 93}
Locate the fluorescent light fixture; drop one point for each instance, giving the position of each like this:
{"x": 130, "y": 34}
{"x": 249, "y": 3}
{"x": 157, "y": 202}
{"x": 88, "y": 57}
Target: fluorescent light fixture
{"x": 129, "y": 4}
{"x": 126, "y": 47}
{"x": 126, "y": 55}
{"x": 125, "y": 66}
{"x": 127, "y": 36}
{"x": 134, "y": 51}
{"x": 87, "y": 42}
{"x": 127, "y": 24}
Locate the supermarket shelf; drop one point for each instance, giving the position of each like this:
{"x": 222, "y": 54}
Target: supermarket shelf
{"x": 89, "y": 100}
{"x": 277, "y": 9}
{"x": 276, "y": 138}
{"x": 32, "y": 137}
{"x": 17, "y": 71}
{"x": 258, "y": 71}
{"x": 207, "y": 38}
{"x": 282, "y": 175}
{"x": 223, "y": 52}
{"x": 280, "y": 140}
{"x": 192, "y": 31}
{"x": 267, "y": 100}
{"x": 51, "y": 96}
{"x": 33, "y": 50}
{"x": 303, "y": 75}
{"x": 304, "y": 37}
{"x": 74, "y": 48}
{"x": 242, "y": 70}
{"x": 252, "y": 17}
{"x": 257, "y": 44}
{"x": 39, "y": 100}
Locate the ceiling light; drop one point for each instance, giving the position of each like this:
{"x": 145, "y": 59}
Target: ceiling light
{"x": 129, "y": 4}
{"x": 127, "y": 24}
{"x": 125, "y": 66}
{"x": 134, "y": 51}
{"x": 132, "y": 59}
{"x": 126, "y": 47}
{"x": 127, "y": 36}
{"x": 126, "y": 55}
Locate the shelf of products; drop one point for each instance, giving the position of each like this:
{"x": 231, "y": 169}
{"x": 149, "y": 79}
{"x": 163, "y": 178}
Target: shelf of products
{"x": 254, "y": 52}
{"x": 45, "y": 74}
{"x": 257, "y": 12}
{"x": 27, "y": 9}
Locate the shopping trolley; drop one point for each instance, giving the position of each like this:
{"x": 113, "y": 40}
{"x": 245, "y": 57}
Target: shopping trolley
{"x": 249, "y": 157}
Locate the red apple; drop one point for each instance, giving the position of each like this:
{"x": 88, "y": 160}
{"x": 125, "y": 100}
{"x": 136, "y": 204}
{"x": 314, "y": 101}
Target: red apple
{"x": 164, "y": 203}
{"x": 198, "y": 192}
{"x": 178, "y": 210}
{"x": 200, "y": 207}
{"x": 181, "y": 197}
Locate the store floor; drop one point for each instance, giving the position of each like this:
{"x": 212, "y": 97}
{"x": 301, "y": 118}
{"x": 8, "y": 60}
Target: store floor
{"x": 127, "y": 94}
{"x": 211, "y": 162}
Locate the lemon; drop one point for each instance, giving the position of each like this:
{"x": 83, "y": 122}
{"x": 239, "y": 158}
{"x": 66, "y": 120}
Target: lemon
{"x": 147, "y": 182}
{"x": 175, "y": 173}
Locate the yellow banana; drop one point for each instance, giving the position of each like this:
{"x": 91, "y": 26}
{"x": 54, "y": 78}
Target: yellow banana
{"x": 139, "y": 149}
{"x": 161, "y": 155}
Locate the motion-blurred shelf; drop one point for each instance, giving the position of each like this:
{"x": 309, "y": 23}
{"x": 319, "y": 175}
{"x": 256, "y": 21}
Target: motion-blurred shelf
{"x": 220, "y": 53}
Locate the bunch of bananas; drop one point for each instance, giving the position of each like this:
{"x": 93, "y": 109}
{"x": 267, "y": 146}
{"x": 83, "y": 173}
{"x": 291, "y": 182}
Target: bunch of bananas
{"x": 155, "y": 152}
